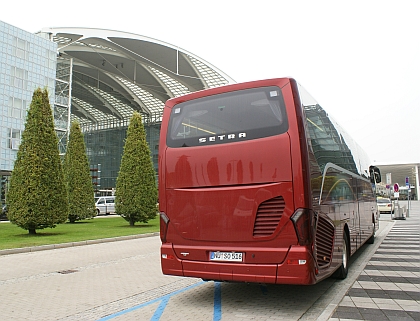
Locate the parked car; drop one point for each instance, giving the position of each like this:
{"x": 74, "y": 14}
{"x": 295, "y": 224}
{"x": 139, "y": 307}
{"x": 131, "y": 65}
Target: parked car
{"x": 105, "y": 205}
{"x": 385, "y": 205}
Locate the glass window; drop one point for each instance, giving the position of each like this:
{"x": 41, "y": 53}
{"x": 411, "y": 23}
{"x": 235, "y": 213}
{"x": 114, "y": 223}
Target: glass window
{"x": 365, "y": 191}
{"x": 16, "y": 107}
{"x": 341, "y": 190}
{"x": 229, "y": 117}
{"x": 18, "y": 77}
{"x": 14, "y": 139}
{"x": 20, "y": 48}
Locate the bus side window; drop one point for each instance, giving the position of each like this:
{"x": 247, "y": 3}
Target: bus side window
{"x": 341, "y": 190}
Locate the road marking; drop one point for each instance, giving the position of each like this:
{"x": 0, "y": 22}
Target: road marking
{"x": 264, "y": 289}
{"x": 217, "y": 310}
{"x": 159, "y": 311}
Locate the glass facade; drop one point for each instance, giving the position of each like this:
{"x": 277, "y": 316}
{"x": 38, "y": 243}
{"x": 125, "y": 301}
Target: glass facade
{"x": 105, "y": 148}
{"x": 27, "y": 61}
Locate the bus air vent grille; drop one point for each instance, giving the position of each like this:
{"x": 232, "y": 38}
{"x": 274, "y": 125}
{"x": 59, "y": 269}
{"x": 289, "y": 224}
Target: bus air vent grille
{"x": 324, "y": 242}
{"x": 268, "y": 216}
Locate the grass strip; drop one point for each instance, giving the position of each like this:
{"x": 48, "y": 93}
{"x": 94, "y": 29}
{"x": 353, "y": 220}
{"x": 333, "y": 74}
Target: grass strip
{"x": 12, "y": 236}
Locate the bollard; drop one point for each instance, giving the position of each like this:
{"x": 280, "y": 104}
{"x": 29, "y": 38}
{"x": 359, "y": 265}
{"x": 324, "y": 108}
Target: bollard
{"x": 399, "y": 212}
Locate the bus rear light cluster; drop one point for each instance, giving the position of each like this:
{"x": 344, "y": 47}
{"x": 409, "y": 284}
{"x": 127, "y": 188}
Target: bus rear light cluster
{"x": 304, "y": 226}
{"x": 168, "y": 257}
{"x": 295, "y": 262}
{"x": 164, "y": 222}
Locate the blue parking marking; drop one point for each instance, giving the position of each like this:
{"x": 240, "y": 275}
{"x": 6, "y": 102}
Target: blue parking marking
{"x": 264, "y": 289}
{"x": 159, "y": 311}
{"x": 217, "y": 310}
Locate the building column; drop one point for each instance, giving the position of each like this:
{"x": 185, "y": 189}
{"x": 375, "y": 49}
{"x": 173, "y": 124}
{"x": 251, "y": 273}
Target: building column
{"x": 417, "y": 186}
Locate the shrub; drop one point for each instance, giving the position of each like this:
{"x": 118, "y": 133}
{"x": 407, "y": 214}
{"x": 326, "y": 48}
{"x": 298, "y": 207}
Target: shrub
{"x": 77, "y": 177}
{"x": 37, "y": 196}
{"x": 136, "y": 191}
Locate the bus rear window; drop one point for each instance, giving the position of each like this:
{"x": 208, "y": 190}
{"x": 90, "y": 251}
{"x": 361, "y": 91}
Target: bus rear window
{"x": 229, "y": 117}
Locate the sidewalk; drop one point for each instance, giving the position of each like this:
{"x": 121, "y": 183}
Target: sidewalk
{"x": 389, "y": 286}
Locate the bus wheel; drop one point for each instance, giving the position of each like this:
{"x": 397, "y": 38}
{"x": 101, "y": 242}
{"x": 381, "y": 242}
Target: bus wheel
{"x": 371, "y": 239}
{"x": 342, "y": 271}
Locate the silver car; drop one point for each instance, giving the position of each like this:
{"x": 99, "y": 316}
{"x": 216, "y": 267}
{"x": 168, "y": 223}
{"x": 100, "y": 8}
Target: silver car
{"x": 105, "y": 205}
{"x": 385, "y": 205}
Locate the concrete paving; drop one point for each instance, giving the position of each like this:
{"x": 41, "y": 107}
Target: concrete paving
{"x": 122, "y": 280}
{"x": 389, "y": 286}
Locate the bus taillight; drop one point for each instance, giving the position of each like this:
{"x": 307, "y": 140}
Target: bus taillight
{"x": 296, "y": 262}
{"x": 164, "y": 221}
{"x": 303, "y": 222}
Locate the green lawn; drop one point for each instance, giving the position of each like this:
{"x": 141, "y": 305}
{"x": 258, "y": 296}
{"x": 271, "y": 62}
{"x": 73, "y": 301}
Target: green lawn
{"x": 12, "y": 236}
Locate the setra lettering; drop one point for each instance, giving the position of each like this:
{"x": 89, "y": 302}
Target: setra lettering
{"x": 223, "y": 137}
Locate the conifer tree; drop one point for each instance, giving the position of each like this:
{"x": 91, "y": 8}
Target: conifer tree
{"x": 77, "y": 177}
{"x": 37, "y": 197}
{"x": 136, "y": 191}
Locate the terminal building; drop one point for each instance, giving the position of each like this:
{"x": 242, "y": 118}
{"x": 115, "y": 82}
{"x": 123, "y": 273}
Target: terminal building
{"x": 98, "y": 77}
{"x": 406, "y": 176}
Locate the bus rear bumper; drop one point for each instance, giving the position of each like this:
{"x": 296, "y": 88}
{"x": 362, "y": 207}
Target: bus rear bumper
{"x": 254, "y": 273}
{"x": 298, "y": 268}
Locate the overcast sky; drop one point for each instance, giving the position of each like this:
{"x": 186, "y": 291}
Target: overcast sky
{"x": 360, "y": 59}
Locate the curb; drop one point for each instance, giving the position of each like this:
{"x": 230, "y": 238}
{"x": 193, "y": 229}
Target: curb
{"x": 72, "y": 244}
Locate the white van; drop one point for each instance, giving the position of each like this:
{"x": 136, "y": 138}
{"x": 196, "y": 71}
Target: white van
{"x": 105, "y": 205}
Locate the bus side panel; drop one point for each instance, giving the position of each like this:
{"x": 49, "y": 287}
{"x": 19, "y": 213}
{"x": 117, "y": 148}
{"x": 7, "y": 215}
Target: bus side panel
{"x": 298, "y": 146}
{"x": 162, "y": 159}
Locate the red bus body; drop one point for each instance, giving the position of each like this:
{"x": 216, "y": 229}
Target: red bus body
{"x": 270, "y": 209}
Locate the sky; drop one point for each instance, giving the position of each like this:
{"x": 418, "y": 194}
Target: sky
{"x": 359, "y": 59}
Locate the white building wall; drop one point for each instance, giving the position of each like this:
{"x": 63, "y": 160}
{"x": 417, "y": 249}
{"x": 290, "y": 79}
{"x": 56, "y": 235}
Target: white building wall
{"x": 27, "y": 61}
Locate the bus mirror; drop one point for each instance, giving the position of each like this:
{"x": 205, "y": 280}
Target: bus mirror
{"x": 375, "y": 174}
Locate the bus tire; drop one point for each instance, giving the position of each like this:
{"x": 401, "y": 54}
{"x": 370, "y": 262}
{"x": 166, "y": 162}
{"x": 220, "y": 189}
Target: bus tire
{"x": 371, "y": 239}
{"x": 343, "y": 270}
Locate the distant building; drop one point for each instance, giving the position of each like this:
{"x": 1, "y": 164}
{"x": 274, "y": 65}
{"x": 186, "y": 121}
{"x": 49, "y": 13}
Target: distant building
{"x": 27, "y": 61}
{"x": 400, "y": 174}
{"x": 98, "y": 77}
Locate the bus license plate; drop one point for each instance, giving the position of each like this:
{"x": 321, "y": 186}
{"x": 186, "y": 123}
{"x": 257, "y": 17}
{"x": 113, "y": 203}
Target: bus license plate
{"x": 226, "y": 256}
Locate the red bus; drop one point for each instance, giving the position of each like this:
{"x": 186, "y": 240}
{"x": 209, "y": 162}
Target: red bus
{"x": 257, "y": 183}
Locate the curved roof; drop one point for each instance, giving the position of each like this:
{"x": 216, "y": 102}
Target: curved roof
{"x": 116, "y": 73}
